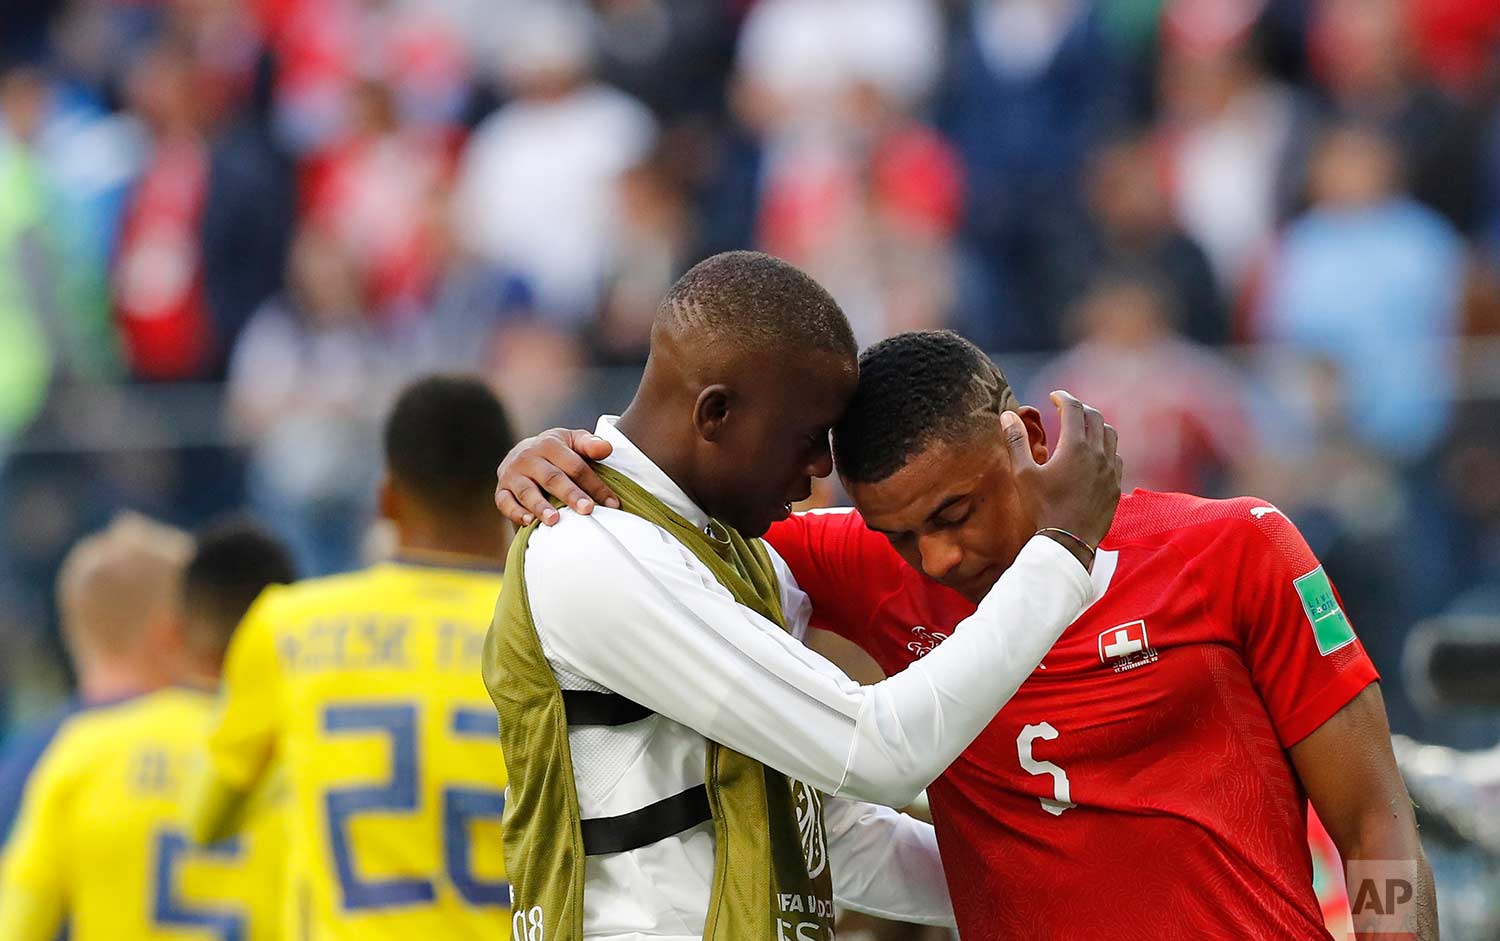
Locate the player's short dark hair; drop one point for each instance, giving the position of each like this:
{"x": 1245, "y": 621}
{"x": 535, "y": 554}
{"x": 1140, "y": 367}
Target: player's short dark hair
{"x": 915, "y": 389}
{"x": 443, "y": 440}
{"x": 233, "y": 562}
{"x": 755, "y": 301}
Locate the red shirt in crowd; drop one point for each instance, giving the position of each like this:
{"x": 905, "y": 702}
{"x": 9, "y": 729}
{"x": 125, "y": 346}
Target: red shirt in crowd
{"x": 1138, "y": 784}
{"x": 159, "y": 301}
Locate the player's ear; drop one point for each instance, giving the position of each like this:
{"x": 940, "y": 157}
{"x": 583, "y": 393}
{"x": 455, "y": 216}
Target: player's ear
{"x": 1036, "y": 431}
{"x": 711, "y": 411}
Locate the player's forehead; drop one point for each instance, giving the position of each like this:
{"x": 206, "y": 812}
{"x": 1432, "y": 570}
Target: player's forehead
{"x": 937, "y": 473}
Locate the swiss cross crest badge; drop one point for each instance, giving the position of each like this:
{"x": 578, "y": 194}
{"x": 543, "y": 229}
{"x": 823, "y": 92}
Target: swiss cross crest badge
{"x": 1126, "y": 647}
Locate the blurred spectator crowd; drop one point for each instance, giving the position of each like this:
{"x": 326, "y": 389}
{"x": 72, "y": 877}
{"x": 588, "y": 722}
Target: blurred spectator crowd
{"x": 1262, "y": 235}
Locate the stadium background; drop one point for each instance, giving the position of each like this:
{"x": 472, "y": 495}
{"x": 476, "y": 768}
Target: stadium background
{"x": 1263, "y": 236}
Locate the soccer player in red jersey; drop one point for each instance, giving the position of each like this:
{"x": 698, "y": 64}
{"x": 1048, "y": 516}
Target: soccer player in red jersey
{"x": 1151, "y": 778}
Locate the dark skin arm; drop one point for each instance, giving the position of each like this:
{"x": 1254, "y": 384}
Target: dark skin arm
{"x": 1351, "y": 777}
{"x": 558, "y": 460}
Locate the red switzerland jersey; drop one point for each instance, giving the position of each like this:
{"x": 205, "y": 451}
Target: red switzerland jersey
{"x": 1138, "y": 784}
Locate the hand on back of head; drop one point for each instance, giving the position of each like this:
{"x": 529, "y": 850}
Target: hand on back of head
{"x": 1078, "y": 488}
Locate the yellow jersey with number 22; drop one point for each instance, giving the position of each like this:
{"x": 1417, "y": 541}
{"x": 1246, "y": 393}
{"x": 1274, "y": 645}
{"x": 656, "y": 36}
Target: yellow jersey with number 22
{"x": 366, "y": 689}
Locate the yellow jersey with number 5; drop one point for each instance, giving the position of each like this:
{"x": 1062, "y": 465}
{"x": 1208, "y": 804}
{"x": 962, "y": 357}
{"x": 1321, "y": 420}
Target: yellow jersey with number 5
{"x": 366, "y": 689}
{"x": 100, "y": 841}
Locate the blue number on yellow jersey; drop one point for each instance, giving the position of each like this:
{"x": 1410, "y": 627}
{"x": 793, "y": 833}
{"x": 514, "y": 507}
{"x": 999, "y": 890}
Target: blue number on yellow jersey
{"x": 367, "y": 689}
{"x": 100, "y": 841}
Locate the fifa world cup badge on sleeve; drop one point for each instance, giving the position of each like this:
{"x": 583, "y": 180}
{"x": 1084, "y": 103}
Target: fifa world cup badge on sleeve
{"x": 1329, "y": 625}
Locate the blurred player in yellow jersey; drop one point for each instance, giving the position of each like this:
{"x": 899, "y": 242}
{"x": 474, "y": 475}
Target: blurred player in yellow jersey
{"x": 99, "y": 844}
{"x": 119, "y": 626}
{"x": 365, "y": 688}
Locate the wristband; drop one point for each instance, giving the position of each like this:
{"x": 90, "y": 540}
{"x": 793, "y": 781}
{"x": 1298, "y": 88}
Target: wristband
{"x": 1078, "y": 539}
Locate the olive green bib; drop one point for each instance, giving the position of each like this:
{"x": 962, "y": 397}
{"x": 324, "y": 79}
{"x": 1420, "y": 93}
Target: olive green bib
{"x": 771, "y": 877}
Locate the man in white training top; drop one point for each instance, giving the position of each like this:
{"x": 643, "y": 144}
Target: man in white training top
{"x": 668, "y": 736}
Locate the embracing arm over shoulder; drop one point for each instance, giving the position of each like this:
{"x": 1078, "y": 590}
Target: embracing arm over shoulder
{"x": 652, "y": 625}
